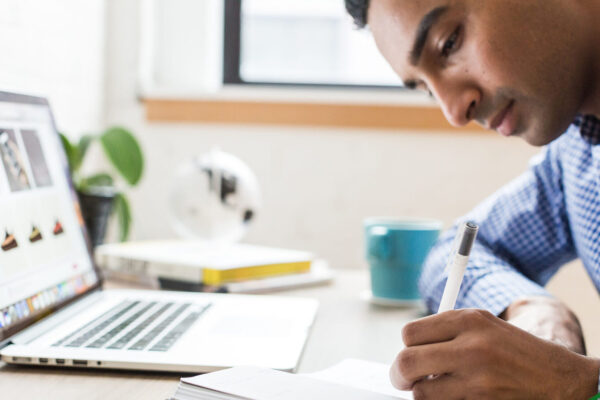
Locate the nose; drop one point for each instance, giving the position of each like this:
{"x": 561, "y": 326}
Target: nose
{"x": 459, "y": 101}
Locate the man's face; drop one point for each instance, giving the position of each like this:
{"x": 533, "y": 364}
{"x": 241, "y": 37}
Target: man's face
{"x": 513, "y": 66}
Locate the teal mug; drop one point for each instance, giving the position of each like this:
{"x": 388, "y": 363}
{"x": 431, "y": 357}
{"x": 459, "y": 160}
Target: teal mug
{"x": 395, "y": 249}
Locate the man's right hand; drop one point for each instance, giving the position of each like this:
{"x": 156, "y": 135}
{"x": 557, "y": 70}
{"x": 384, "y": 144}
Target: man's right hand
{"x": 476, "y": 355}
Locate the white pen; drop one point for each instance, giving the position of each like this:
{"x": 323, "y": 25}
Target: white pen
{"x": 457, "y": 264}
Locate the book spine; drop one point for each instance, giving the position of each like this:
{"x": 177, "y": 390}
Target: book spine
{"x": 150, "y": 268}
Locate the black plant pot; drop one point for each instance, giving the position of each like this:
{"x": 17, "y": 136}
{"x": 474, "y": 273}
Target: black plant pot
{"x": 96, "y": 206}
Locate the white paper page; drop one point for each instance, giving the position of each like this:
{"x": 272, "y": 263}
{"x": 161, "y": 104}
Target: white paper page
{"x": 266, "y": 384}
{"x": 361, "y": 374}
{"x": 202, "y": 254}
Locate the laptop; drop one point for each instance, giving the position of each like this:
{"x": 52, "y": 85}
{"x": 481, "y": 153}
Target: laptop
{"x": 53, "y": 311}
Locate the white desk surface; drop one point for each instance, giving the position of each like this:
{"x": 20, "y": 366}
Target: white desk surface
{"x": 346, "y": 326}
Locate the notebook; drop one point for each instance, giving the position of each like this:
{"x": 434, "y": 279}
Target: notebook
{"x": 351, "y": 379}
{"x": 201, "y": 262}
{"x": 319, "y": 274}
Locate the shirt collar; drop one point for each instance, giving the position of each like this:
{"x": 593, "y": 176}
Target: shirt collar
{"x": 589, "y": 128}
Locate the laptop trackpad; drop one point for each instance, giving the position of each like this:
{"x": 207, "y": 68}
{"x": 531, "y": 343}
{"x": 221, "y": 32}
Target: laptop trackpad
{"x": 252, "y": 326}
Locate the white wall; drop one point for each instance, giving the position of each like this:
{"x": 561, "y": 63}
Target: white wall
{"x": 55, "y": 48}
{"x": 318, "y": 184}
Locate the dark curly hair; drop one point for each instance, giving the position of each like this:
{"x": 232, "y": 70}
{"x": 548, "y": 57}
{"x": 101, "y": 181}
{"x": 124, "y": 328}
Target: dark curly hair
{"x": 358, "y": 10}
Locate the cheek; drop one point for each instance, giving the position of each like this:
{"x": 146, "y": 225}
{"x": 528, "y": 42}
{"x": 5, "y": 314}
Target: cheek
{"x": 511, "y": 62}
{"x": 498, "y": 66}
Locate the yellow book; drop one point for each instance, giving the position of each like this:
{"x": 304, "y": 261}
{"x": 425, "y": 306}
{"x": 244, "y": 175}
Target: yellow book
{"x": 219, "y": 276}
{"x": 200, "y": 261}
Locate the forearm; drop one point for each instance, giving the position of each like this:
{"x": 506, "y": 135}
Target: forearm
{"x": 524, "y": 237}
{"x": 547, "y": 318}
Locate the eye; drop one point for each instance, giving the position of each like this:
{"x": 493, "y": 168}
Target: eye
{"x": 412, "y": 85}
{"x": 417, "y": 85}
{"x": 451, "y": 43}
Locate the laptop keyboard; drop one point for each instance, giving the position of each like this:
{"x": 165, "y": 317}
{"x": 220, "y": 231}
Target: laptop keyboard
{"x": 104, "y": 339}
{"x": 124, "y": 340}
{"x": 143, "y": 342}
{"x": 170, "y": 338}
{"x": 106, "y": 319}
{"x": 136, "y": 325}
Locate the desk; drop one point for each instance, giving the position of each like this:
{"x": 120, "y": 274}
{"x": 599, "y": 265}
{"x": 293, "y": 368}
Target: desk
{"x": 346, "y": 326}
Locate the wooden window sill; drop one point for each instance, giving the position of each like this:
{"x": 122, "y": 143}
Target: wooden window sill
{"x": 328, "y": 110}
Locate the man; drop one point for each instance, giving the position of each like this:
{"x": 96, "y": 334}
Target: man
{"x": 526, "y": 68}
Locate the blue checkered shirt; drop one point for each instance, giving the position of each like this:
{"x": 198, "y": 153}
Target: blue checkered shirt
{"x": 531, "y": 227}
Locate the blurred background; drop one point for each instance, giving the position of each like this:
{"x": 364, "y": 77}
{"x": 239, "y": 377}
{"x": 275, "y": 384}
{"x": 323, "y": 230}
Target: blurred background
{"x": 187, "y": 75}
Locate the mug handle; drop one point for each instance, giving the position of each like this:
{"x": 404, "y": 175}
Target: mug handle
{"x": 379, "y": 243}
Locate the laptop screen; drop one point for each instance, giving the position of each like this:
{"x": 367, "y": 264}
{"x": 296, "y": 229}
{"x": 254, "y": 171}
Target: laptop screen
{"x": 44, "y": 258}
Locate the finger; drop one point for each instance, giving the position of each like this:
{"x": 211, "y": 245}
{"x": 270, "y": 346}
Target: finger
{"x": 432, "y": 329}
{"x": 443, "y": 327}
{"x": 415, "y": 363}
{"x": 445, "y": 387}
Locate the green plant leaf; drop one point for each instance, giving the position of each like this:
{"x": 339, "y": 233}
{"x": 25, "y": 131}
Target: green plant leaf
{"x": 100, "y": 179}
{"x": 70, "y": 151}
{"x": 82, "y": 147}
{"x": 121, "y": 209}
{"x": 123, "y": 150}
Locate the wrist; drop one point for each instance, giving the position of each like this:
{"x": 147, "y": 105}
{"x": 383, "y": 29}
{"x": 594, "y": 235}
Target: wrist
{"x": 549, "y": 319}
{"x": 598, "y": 370}
{"x": 528, "y": 303}
{"x": 587, "y": 386}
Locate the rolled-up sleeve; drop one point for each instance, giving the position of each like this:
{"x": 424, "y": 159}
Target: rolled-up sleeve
{"x": 524, "y": 238}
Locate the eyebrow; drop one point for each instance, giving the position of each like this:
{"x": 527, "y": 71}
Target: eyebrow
{"x": 423, "y": 31}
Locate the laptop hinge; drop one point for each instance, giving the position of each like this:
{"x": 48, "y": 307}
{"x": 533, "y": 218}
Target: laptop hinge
{"x": 39, "y": 328}
{"x": 5, "y": 343}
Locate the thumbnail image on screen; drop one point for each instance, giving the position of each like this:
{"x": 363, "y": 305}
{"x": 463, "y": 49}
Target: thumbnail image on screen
{"x": 39, "y": 167}
{"x": 14, "y": 163}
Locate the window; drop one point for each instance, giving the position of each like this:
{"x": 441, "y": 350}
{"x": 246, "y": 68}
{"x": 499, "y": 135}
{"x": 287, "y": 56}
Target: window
{"x": 308, "y": 42}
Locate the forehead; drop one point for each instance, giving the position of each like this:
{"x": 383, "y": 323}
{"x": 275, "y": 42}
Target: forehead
{"x": 394, "y": 24}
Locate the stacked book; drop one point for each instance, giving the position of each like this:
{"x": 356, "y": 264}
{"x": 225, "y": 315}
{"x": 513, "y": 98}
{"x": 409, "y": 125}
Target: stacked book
{"x": 213, "y": 267}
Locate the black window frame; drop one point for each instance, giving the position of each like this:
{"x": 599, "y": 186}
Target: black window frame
{"x": 232, "y": 41}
